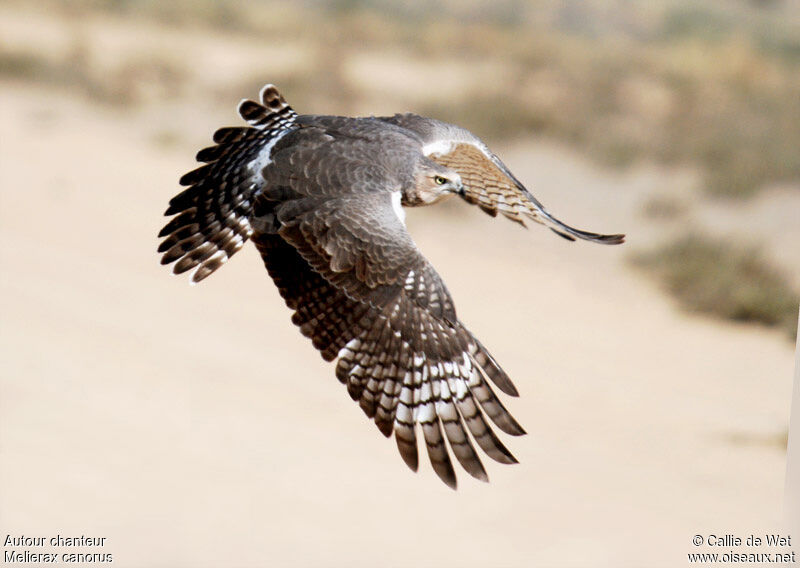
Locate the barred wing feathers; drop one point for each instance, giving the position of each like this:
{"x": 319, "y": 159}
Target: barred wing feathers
{"x": 211, "y": 217}
{"x": 364, "y": 294}
{"x": 488, "y": 183}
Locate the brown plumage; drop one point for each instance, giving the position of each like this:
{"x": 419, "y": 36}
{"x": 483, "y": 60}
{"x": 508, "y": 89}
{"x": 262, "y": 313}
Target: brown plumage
{"x": 321, "y": 198}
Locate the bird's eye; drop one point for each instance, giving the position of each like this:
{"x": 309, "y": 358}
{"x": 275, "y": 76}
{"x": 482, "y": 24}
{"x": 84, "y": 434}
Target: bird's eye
{"x": 440, "y": 180}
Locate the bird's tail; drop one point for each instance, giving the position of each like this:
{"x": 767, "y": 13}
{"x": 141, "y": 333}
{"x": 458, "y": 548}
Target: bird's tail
{"x": 212, "y": 215}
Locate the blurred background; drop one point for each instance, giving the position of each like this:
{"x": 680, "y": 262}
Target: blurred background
{"x": 191, "y": 426}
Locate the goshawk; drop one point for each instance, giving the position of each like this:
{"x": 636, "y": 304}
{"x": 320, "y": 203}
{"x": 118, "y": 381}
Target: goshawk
{"x": 322, "y": 198}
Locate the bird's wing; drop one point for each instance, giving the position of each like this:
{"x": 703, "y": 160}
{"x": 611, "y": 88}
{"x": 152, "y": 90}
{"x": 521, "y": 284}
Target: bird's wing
{"x": 364, "y": 294}
{"x": 490, "y": 185}
{"x": 212, "y": 214}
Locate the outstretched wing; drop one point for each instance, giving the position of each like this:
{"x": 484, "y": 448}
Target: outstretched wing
{"x": 362, "y": 292}
{"x": 491, "y": 186}
{"x": 488, "y": 183}
{"x": 211, "y": 218}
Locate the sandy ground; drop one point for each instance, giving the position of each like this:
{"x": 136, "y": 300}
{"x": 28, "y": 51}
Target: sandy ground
{"x": 194, "y": 426}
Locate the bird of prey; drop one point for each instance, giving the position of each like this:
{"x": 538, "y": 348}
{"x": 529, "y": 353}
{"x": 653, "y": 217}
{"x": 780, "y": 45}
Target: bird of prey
{"x": 322, "y": 198}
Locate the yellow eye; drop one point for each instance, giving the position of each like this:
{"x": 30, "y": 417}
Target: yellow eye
{"x": 440, "y": 180}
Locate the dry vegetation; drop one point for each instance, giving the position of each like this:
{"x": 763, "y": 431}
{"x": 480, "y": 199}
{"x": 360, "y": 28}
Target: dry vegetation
{"x": 716, "y": 85}
{"x": 712, "y": 85}
{"x": 132, "y": 82}
{"x": 713, "y": 277}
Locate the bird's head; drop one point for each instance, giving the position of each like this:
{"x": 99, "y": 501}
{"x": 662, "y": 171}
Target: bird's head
{"x": 433, "y": 182}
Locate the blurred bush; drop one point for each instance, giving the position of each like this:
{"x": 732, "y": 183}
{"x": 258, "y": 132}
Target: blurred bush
{"x": 715, "y": 277}
{"x": 713, "y": 84}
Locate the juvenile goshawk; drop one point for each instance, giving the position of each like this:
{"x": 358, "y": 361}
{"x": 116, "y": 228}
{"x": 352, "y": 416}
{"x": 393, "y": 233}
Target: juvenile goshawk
{"x": 321, "y": 197}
